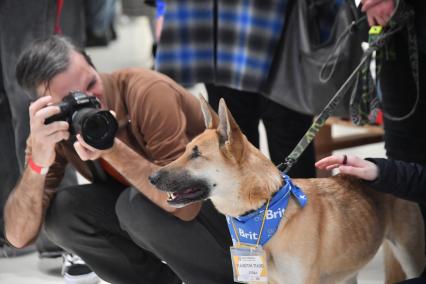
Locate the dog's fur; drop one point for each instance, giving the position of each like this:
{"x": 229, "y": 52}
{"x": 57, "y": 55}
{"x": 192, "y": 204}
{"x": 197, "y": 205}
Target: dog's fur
{"x": 328, "y": 241}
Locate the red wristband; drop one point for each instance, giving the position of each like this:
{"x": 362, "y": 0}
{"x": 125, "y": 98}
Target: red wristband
{"x": 37, "y": 168}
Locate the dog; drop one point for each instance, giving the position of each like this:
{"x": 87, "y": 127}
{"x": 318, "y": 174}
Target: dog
{"x": 328, "y": 241}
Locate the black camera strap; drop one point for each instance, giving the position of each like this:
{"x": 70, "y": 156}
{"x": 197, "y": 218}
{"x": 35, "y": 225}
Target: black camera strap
{"x": 99, "y": 174}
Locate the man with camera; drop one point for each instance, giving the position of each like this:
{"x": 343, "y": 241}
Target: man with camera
{"x": 119, "y": 224}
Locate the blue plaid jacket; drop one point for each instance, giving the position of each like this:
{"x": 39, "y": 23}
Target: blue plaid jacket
{"x": 226, "y": 42}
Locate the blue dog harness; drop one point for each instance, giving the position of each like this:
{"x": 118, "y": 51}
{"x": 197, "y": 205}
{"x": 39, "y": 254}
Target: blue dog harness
{"x": 248, "y": 227}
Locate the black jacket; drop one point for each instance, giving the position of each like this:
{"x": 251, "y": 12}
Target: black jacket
{"x": 402, "y": 179}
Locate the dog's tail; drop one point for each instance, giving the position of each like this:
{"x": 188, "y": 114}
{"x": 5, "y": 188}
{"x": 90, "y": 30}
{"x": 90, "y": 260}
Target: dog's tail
{"x": 393, "y": 270}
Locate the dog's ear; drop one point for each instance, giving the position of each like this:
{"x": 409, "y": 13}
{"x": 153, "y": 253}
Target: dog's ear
{"x": 211, "y": 120}
{"x": 230, "y": 134}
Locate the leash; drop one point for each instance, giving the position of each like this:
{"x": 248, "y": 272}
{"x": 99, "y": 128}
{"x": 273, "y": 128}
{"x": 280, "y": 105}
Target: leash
{"x": 365, "y": 101}
{"x": 378, "y": 42}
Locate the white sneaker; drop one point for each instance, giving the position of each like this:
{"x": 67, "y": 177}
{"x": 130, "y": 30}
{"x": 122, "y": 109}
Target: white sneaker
{"x": 76, "y": 271}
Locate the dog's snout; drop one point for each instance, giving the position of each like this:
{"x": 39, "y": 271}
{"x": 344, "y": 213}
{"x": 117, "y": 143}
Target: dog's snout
{"x": 154, "y": 178}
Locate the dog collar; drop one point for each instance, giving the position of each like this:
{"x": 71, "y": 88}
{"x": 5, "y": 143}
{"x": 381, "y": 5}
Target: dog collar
{"x": 248, "y": 226}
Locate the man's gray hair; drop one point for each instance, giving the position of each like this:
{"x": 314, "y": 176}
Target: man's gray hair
{"x": 43, "y": 59}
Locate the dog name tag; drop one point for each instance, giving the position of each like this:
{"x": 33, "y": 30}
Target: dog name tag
{"x": 249, "y": 264}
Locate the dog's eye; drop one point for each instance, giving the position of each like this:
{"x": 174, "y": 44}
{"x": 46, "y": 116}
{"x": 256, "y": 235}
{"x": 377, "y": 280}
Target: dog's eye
{"x": 195, "y": 153}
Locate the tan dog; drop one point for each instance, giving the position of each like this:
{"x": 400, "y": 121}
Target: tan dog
{"x": 328, "y": 241}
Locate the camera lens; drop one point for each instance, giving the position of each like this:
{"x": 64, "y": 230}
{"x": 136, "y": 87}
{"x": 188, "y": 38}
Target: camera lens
{"x": 97, "y": 127}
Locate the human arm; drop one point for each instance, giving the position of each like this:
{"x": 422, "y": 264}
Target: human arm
{"x": 158, "y": 116}
{"x": 351, "y": 165}
{"x": 25, "y": 207}
{"x": 378, "y": 11}
{"x": 136, "y": 170}
{"x": 402, "y": 179}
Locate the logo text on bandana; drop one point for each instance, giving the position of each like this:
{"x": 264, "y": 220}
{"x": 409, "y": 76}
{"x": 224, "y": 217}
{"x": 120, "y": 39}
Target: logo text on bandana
{"x": 248, "y": 226}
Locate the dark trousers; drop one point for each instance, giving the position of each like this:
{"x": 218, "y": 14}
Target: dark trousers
{"x": 404, "y": 140}
{"x": 284, "y": 127}
{"x": 88, "y": 220}
{"x": 9, "y": 168}
{"x": 198, "y": 251}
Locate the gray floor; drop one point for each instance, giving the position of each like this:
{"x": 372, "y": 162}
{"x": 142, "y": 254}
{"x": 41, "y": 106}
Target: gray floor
{"x": 133, "y": 49}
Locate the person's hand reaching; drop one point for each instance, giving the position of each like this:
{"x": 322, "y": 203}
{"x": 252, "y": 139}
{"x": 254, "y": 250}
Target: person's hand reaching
{"x": 350, "y": 165}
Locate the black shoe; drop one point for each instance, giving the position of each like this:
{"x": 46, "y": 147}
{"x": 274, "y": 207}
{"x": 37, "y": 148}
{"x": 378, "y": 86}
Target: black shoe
{"x": 76, "y": 271}
{"x": 93, "y": 40}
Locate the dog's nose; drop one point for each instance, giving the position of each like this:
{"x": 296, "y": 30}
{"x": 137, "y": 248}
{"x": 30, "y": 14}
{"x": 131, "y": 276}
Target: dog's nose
{"x": 154, "y": 178}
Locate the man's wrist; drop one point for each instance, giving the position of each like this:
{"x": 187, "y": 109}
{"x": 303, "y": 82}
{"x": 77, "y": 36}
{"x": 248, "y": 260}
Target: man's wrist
{"x": 36, "y": 168}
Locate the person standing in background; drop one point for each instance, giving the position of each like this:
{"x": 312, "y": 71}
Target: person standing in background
{"x": 404, "y": 138}
{"x": 29, "y": 20}
{"x": 228, "y": 45}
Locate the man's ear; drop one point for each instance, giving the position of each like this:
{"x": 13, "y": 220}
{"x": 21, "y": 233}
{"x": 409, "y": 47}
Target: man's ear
{"x": 211, "y": 120}
{"x": 230, "y": 134}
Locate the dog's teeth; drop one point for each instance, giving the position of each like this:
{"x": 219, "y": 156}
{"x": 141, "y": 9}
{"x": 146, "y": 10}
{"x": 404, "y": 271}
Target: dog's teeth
{"x": 170, "y": 196}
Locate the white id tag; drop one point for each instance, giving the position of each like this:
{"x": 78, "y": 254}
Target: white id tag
{"x": 249, "y": 264}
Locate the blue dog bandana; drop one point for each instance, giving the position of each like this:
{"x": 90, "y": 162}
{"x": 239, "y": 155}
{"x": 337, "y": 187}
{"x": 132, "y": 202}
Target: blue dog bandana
{"x": 248, "y": 226}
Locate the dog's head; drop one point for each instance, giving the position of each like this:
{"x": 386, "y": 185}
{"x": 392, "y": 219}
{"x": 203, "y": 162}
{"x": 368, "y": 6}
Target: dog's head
{"x": 219, "y": 164}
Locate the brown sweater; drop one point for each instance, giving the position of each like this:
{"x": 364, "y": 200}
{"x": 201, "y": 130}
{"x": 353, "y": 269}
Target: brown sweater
{"x": 156, "y": 117}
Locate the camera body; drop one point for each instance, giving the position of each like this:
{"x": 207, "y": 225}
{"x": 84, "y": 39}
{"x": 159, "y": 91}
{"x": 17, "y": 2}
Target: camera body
{"x": 84, "y": 116}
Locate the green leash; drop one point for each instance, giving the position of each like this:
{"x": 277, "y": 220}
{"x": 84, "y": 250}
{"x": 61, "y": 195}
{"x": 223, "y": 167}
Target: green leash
{"x": 404, "y": 18}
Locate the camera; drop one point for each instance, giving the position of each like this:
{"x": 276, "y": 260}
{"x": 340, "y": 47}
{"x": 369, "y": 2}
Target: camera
{"x": 84, "y": 116}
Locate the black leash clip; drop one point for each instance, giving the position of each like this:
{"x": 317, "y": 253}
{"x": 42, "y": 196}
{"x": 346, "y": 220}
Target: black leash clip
{"x": 286, "y": 165}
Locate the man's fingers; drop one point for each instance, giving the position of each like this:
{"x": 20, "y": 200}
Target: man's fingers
{"x": 84, "y": 144}
{"x": 46, "y": 112}
{"x": 81, "y": 151}
{"x": 58, "y": 136}
{"x": 85, "y": 151}
{"x": 39, "y": 104}
{"x": 56, "y": 126}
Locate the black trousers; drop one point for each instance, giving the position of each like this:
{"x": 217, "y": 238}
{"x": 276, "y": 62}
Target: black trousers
{"x": 284, "y": 127}
{"x": 404, "y": 140}
{"x": 88, "y": 220}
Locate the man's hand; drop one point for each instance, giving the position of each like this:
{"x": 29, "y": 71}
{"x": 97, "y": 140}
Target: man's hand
{"x": 87, "y": 152}
{"x": 351, "y": 165}
{"x": 44, "y": 137}
{"x": 378, "y": 11}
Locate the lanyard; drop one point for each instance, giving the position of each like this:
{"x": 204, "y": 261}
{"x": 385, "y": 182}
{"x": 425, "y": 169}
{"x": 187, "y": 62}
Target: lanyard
{"x": 59, "y": 6}
{"x": 260, "y": 232}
